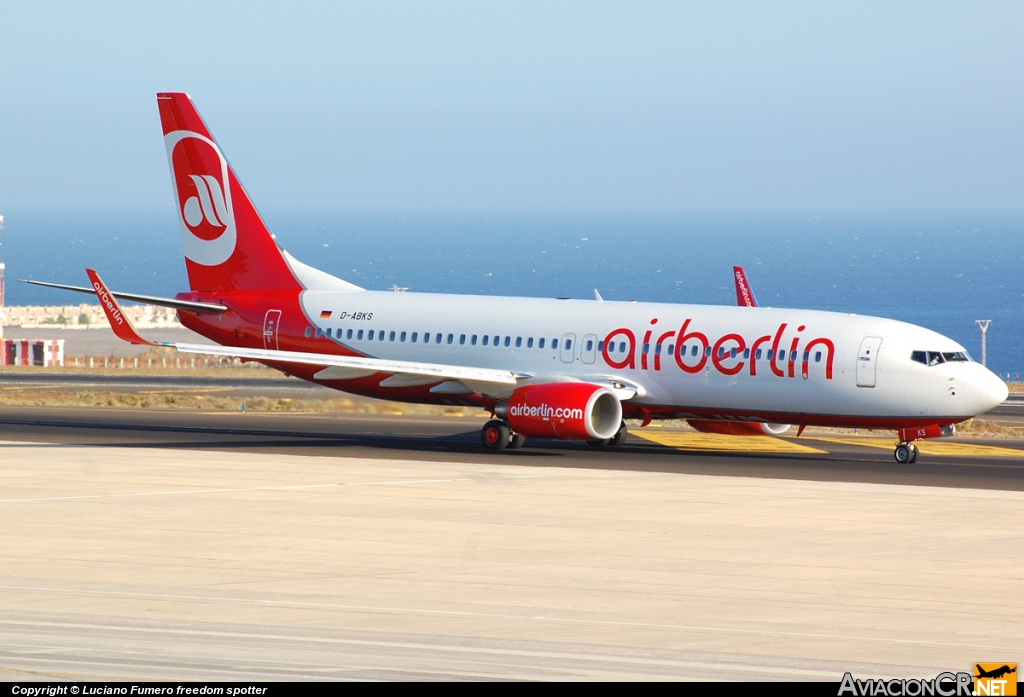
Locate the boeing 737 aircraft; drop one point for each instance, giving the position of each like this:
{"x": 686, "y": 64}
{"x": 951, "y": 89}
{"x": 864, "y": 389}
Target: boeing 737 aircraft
{"x": 569, "y": 369}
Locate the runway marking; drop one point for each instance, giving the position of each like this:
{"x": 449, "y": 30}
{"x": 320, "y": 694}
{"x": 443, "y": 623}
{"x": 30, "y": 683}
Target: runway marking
{"x": 455, "y": 613}
{"x": 928, "y": 447}
{"x": 717, "y": 442}
{"x": 186, "y": 492}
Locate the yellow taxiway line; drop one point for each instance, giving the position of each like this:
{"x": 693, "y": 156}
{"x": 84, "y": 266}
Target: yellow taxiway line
{"x": 928, "y": 447}
{"x": 723, "y": 443}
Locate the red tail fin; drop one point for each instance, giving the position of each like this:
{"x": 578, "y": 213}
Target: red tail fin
{"x": 744, "y": 295}
{"x": 227, "y": 246}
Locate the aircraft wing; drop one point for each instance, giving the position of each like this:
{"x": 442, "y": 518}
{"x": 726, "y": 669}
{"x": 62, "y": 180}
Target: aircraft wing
{"x": 744, "y": 295}
{"x": 355, "y": 365}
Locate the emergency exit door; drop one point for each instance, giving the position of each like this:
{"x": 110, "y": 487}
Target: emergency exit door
{"x": 867, "y": 361}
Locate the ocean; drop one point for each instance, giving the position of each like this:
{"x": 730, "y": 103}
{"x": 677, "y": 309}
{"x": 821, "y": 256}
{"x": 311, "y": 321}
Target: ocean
{"x": 938, "y": 269}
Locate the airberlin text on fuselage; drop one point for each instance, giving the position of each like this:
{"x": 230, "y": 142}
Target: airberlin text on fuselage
{"x": 781, "y": 352}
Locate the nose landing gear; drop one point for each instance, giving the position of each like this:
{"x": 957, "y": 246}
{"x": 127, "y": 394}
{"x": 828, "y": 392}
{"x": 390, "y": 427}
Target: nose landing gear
{"x": 905, "y": 453}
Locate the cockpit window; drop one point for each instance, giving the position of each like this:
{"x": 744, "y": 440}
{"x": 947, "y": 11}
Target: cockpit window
{"x": 936, "y": 357}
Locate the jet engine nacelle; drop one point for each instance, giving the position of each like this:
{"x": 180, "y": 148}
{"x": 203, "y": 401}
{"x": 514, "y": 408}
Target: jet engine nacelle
{"x": 570, "y": 410}
{"x": 738, "y": 428}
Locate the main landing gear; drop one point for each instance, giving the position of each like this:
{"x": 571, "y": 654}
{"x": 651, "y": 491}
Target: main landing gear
{"x": 618, "y": 439}
{"x": 905, "y": 453}
{"x": 496, "y": 435}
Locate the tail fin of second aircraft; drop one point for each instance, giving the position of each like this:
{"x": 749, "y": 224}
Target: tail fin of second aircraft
{"x": 227, "y": 246}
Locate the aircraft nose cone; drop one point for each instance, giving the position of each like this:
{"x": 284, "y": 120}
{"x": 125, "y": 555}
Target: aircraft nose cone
{"x": 989, "y": 390}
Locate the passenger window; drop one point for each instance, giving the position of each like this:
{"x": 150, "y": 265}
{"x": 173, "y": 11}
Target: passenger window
{"x": 657, "y": 349}
{"x": 770, "y": 354}
{"x": 693, "y": 351}
{"x": 817, "y": 356}
{"x": 508, "y": 340}
{"x": 540, "y": 343}
{"x": 309, "y": 332}
{"x": 401, "y": 337}
{"x": 369, "y": 335}
{"x": 590, "y": 344}
{"x": 497, "y": 339}
{"x": 671, "y": 349}
{"x": 807, "y": 354}
{"x": 462, "y": 339}
{"x": 328, "y": 332}
{"x": 554, "y": 344}
{"x": 519, "y": 341}
{"x": 472, "y": 340}
{"x": 414, "y": 335}
{"x": 732, "y": 354}
{"x": 746, "y": 353}
{"x": 529, "y": 342}
{"x": 600, "y": 345}
{"x": 451, "y": 337}
{"x": 391, "y": 336}
{"x": 622, "y": 346}
{"x": 319, "y": 332}
{"x": 348, "y": 334}
{"x": 486, "y": 337}
{"x": 757, "y": 356}
{"x": 707, "y": 351}
{"x": 360, "y": 335}
{"x": 647, "y": 348}
{"x": 568, "y": 344}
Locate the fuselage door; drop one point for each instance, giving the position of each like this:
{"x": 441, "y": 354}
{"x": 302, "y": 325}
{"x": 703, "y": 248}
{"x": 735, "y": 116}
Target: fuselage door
{"x": 867, "y": 361}
{"x": 588, "y": 351}
{"x": 270, "y": 327}
{"x": 568, "y": 348}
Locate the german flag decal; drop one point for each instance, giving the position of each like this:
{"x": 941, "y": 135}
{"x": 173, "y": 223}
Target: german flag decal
{"x": 325, "y": 314}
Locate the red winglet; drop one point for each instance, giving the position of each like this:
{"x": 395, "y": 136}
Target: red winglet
{"x": 744, "y": 296}
{"x": 119, "y": 322}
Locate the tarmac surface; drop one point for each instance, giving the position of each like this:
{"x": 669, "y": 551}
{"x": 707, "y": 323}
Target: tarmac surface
{"x": 164, "y": 547}
{"x": 180, "y": 544}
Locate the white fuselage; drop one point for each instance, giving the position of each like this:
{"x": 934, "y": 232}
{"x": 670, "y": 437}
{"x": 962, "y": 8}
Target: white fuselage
{"x": 872, "y": 373}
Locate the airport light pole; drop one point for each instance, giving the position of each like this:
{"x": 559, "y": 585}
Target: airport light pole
{"x": 983, "y": 325}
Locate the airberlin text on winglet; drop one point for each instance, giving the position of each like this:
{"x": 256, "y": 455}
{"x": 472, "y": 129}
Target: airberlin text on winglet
{"x": 113, "y": 311}
{"x": 723, "y": 352}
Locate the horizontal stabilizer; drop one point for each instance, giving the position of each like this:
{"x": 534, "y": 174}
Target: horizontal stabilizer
{"x": 135, "y": 298}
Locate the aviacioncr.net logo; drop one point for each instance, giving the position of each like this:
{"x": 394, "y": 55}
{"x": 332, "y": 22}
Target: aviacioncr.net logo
{"x": 203, "y": 193}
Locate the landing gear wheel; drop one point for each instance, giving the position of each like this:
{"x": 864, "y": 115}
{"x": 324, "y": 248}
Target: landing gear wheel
{"x": 913, "y": 452}
{"x": 603, "y": 443}
{"x": 904, "y": 453}
{"x": 516, "y": 441}
{"x": 620, "y": 436}
{"x": 495, "y": 435}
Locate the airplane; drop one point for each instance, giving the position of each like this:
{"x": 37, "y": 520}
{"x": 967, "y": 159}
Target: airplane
{"x": 544, "y": 368}
{"x": 995, "y": 673}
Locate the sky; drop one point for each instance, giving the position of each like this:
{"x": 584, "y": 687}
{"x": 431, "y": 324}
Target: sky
{"x": 523, "y": 104}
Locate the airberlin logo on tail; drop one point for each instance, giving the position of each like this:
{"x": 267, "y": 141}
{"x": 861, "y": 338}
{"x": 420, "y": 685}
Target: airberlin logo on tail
{"x": 203, "y": 193}
{"x": 207, "y": 205}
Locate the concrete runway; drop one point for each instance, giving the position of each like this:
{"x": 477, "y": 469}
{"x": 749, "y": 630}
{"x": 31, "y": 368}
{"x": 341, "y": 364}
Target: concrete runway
{"x": 204, "y": 545}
